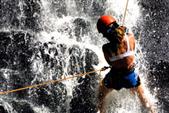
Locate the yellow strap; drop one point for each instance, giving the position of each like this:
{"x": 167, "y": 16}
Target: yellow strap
{"x": 47, "y": 82}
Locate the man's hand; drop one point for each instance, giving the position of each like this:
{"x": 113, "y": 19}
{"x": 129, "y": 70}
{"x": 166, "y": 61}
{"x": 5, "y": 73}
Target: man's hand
{"x": 105, "y": 67}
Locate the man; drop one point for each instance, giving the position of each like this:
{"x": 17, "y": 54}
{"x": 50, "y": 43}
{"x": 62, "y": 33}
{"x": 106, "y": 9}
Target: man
{"x": 119, "y": 53}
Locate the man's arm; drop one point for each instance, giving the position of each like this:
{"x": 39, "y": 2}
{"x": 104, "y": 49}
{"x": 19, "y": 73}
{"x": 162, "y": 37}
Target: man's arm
{"x": 132, "y": 41}
{"x": 106, "y": 53}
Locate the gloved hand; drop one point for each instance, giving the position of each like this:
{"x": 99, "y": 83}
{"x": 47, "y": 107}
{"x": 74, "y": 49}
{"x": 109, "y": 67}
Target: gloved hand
{"x": 105, "y": 67}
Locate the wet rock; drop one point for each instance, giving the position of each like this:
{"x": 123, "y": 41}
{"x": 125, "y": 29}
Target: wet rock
{"x": 3, "y": 110}
{"x": 91, "y": 58}
{"x": 32, "y": 10}
{"x": 159, "y": 75}
{"x": 22, "y": 107}
{"x": 5, "y": 43}
{"x": 52, "y": 96}
{"x": 15, "y": 50}
{"x": 18, "y": 14}
{"x": 81, "y": 28}
{"x": 85, "y": 94}
{"x": 155, "y": 27}
{"x": 75, "y": 60}
{"x": 155, "y": 42}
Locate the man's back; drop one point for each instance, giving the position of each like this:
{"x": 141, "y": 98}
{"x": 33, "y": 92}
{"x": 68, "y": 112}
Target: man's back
{"x": 123, "y": 57}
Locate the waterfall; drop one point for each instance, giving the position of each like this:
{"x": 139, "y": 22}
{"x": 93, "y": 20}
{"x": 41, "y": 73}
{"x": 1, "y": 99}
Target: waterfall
{"x": 45, "y": 40}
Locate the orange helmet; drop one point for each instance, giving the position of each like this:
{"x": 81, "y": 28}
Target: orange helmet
{"x": 103, "y": 22}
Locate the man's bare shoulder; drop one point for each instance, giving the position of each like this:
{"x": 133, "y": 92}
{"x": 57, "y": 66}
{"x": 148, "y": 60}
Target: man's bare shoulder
{"x": 131, "y": 36}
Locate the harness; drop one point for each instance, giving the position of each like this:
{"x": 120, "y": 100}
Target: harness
{"x": 126, "y": 54}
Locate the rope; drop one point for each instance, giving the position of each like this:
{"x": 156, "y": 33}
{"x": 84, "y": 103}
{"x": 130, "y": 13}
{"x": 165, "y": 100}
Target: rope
{"x": 125, "y": 12}
{"x": 50, "y": 82}
{"x": 10, "y": 84}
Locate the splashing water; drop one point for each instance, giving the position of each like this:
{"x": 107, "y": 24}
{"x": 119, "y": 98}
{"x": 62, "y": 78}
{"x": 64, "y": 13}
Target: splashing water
{"x": 62, "y": 40}
{"x": 117, "y": 8}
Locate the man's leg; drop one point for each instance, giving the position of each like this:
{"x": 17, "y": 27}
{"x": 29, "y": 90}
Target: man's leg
{"x": 103, "y": 91}
{"x": 144, "y": 100}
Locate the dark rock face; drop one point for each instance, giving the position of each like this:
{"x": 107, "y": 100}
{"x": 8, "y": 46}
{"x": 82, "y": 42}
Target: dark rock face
{"x": 22, "y": 107}
{"x": 155, "y": 42}
{"x": 85, "y": 94}
{"x": 16, "y": 14}
{"x": 17, "y": 106}
{"x": 155, "y": 29}
{"x": 81, "y": 28}
{"x": 159, "y": 74}
{"x": 3, "y": 110}
{"x": 53, "y": 96}
{"x": 15, "y": 49}
{"x": 18, "y": 52}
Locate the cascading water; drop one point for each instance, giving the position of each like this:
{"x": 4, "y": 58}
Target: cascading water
{"x": 45, "y": 40}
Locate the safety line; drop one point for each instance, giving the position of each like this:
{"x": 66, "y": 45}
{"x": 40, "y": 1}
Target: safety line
{"x": 10, "y": 84}
{"x": 50, "y": 82}
{"x": 125, "y": 12}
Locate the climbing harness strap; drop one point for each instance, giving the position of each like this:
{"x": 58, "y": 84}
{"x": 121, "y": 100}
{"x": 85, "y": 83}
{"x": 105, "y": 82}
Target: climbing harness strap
{"x": 126, "y": 54}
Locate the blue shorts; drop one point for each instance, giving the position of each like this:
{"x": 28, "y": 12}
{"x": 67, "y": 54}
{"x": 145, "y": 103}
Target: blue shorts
{"x": 123, "y": 80}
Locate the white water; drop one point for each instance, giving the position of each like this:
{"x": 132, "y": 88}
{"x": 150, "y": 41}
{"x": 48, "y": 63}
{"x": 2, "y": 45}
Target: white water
{"x": 123, "y": 101}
